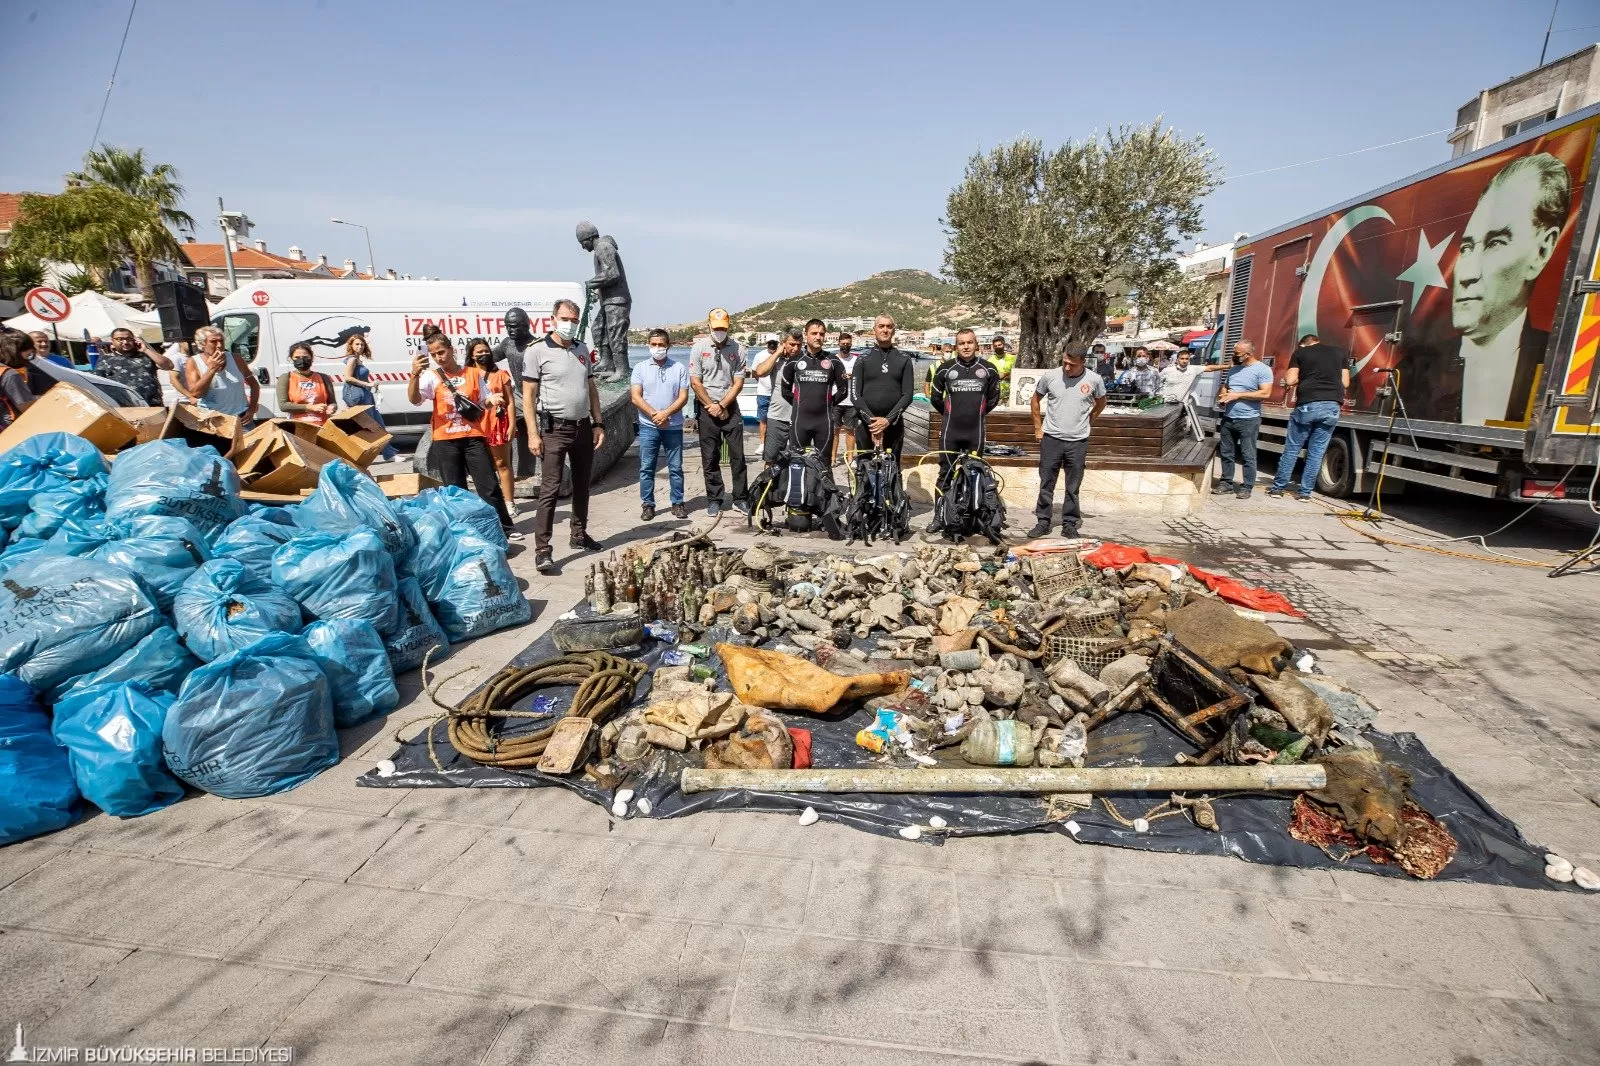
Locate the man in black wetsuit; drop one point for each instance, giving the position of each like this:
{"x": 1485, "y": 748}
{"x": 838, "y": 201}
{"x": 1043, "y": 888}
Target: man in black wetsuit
{"x": 814, "y": 382}
{"x": 965, "y": 389}
{"x": 882, "y": 386}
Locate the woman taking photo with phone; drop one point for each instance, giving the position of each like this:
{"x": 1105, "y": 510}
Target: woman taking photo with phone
{"x": 499, "y": 427}
{"x": 462, "y": 401}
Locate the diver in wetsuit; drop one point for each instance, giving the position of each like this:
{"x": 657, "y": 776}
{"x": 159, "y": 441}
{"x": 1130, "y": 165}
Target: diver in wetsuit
{"x": 882, "y": 387}
{"x": 965, "y": 390}
{"x": 814, "y": 382}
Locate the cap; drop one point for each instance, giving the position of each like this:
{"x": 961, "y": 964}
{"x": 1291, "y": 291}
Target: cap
{"x": 718, "y": 318}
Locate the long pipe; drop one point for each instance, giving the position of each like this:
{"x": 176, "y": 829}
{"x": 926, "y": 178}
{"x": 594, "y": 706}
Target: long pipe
{"x": 1295, "y": 778}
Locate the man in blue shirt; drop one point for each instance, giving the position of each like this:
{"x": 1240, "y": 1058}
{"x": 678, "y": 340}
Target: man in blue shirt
{"x": 1239, "y": 424}
{"x": 660, "y": 391}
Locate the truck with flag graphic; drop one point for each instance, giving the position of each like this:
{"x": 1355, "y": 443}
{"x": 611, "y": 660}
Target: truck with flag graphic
{"x": 1466, "y": 297}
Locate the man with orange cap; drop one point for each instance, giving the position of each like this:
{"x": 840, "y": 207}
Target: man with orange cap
{"x": 716, "y": 374}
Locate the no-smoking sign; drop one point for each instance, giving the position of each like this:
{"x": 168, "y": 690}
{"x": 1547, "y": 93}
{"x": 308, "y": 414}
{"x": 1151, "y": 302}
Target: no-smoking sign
{"x": 47, "y": 304}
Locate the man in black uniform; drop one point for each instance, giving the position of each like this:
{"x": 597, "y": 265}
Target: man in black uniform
{"x": 882, "y": 386}
{"x": 814, "y": 383}
{"x": 965, "y": 390}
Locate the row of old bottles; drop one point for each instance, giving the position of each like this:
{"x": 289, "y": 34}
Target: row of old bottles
{"x": 670, "y": 591}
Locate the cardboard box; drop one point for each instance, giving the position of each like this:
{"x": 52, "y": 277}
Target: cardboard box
{"x": 407, "y": 484}
{"x": 274, "y": 461}
{"x": 66, "y": 409}
{"x": 147, "y": 422}
{"x": 198, "y": 426}
{"x": 355, "y": 435}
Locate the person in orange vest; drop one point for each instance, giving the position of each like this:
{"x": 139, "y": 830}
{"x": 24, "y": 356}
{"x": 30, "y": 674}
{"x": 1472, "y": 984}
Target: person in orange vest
{"x": 461, "y": 399}
{"x": 15, "y": 396}
{"x": 499, "y": 427}
{"x": 304, "y": 394}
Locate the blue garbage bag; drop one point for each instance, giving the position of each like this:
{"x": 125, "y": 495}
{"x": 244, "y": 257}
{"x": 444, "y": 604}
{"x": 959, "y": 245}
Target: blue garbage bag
{"x": 252, "y": 540}
{"x": 112, "y": 734}
{"x": 480, "y": 594}
{"x": 79, "y": 500}
{"x": 37, "y": 794}
{"x": 352, "y": 655}
{"x": 42, "y": 463}
{"x": 225, "y": 606}
{"x": 436, "y": 547}
{"x": 462, "y": 508}
{"x": 19, "y": 549}
{"x": 347, "y": 499}
{"x": 159, "y": 660}
{"x": 162, "y": 550}
{"x": 77, "y": 536}
{"x": 274, "y": 513}
{"x": 339, "y": 575}
{"x": 258, "y": 720}
{"x": 61, "y": 617}
{"x": 167, "y": 477}
{"x": 415, "y": 631}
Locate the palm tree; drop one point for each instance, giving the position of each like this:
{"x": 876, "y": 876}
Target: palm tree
{"x": 93, "y": 226}
{"x": 127, "y": 172}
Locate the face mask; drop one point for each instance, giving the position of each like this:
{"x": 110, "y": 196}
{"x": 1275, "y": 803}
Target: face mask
{"x": 658, "y": 354}
{"x": 302, "y": 364}
{"x": 719, "y": 335}
{"x": 1140, "y": 363}
{"x": 481, "y": 359}
{"x": 566, "y": 329}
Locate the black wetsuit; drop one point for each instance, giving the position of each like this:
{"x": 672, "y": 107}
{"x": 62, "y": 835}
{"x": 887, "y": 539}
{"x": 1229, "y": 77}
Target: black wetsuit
{"x": 882, "y": 386}
{"x": 814, "y": 384}
{"x": 963, "y": 393}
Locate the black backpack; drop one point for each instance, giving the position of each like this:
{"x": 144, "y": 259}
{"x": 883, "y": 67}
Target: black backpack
{"x": 880, "y": 507}
{"x": 971, "y": 503}
{"x": 798, "y": 483}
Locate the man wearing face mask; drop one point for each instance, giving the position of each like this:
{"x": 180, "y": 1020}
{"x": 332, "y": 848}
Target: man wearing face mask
{"x": 564, "y": 422}
{"x": 611, "y": 300}
{"x": 660, "y": 391}
{"x": 716, "y": 373}
{"x": 511, "y": 353}
{"x": 1141, "y": 377}
{"x": 305, "y": 395}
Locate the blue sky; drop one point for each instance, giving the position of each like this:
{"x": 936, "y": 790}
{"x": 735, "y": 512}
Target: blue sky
{"x": 739, "y": 151}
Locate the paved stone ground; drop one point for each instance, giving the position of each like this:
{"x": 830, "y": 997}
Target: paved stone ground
{"x": 384, "y": 926}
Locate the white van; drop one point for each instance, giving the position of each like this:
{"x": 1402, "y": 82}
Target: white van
{"x": 261, "y": 319}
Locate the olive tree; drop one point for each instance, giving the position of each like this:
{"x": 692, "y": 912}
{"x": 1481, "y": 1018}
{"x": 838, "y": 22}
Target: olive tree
{"x": 1054, "y": 233}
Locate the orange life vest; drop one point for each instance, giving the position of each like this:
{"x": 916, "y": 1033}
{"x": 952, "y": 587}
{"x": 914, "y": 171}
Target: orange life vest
{"x": 447, "y": 425}
{"x": 309, "y": 388}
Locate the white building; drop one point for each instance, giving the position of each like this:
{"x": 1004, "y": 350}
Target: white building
{"x": 1528, "y": 101}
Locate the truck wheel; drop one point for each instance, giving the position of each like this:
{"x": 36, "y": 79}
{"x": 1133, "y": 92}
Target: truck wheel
{"x": 1338, "y": 474}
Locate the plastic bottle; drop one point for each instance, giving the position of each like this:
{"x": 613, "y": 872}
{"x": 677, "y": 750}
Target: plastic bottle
{"x": 1003, "y": 743}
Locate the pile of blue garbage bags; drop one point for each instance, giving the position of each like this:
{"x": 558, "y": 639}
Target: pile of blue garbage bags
{"x": 157, "y": 630}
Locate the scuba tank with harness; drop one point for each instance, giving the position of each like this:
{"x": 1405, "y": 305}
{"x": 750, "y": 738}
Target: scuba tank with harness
{"x": 798, "y": 482}
{"x": 879, "y": 507}
{"x": 970, "y": 503}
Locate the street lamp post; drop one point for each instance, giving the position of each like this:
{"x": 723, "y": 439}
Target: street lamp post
{"x": 234, "y": 225}
{"x": 372, "y": 264}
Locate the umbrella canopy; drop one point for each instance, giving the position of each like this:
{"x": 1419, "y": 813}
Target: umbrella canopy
{"x": 90, "y": 311}
{"x": 1162, "y": 346}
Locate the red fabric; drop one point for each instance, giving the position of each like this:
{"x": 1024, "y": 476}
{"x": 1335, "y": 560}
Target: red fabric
{"x": 1113, "y": 556}
{"x": 801, "y": 739}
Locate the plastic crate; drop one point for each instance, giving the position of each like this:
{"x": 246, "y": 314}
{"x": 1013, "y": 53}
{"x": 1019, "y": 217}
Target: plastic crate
{"x": 1059, "y": 573}
{"x": 1092, "y": 654}
{"x": 1097, "y": 623}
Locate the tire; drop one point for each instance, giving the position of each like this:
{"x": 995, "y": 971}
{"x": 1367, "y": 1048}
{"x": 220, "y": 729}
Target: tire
{"x": 1337, "y": 477}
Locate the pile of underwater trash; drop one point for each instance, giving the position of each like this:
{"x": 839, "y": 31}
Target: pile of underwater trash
{"x": 157, "y": 631}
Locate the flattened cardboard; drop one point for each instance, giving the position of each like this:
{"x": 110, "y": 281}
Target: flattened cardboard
{"x": 147, "y": 422}
{"x": 277, "y": 462}
{"x": 66, "y": 409}
{"x": 355, "y": 435}
{"x": 406, "y": 484}
{"x": 198, "y": 426}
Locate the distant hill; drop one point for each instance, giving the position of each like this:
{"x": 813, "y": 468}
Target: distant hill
{"x": 915, "y": 298}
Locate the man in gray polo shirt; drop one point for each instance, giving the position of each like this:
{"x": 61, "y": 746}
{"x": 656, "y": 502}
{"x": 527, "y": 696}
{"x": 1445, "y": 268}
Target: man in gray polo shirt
{"x": 780, "y": 412}
{"x": 564, "y": 422}
{"x": 716, "y": 374}
{"x": 1069, "y": 398}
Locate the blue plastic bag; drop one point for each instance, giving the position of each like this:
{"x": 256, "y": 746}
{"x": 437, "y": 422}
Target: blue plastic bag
{"x": 112, "y": 734}
{"x": 43, "y": 463}
{"x": 36, "y": 790}
{"x": 278, "y": 515}
{"x": 480, "y": 594}
{"x": 61, "y": 617}
{"x": 167, "y": 477}
{"x": 462, "y": 508}
{"x": 353, "y": 657}
{"x": 82, "y": 501}
{"x": 163, "y": 551}
{"x": 436, "y": 547}
{"x": 339, "y": 575}
{"x": 252, "y": 540}
{"x": 224, "y": 606}
{"x": 257, "y": 721}
{"x": 159, "y": 660}
{"x": 19, "y": 549}
{"x": 346, "y": 499}
{"x": 415, "y": 631}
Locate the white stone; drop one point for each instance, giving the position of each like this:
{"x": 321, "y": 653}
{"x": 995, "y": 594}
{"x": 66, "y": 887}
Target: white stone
{"x": 911, "y": 832}
{"x": 937, "y": 823}
{"x": 643, "y": 806}
{"x": 808, "y": 816}
{"x": 1559, "y": 873}
{"x": 623, "y": 795}
{"x": 619, "y": 809}
{"x": 1586, "y": 878}
{"x": 386, "y": 768}
{"x": 1141, "y": 826}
